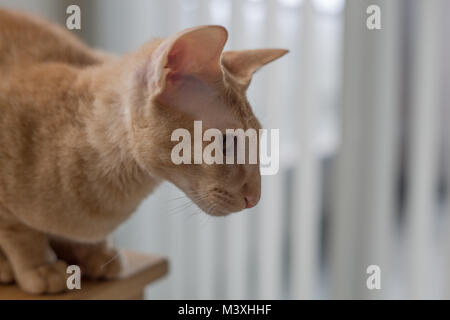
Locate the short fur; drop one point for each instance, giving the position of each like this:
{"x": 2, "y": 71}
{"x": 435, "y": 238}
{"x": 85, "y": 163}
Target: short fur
{"x": 85, "y": 137}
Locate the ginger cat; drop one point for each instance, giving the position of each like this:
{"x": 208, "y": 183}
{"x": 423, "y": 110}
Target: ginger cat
{"x": 85, "y": 137}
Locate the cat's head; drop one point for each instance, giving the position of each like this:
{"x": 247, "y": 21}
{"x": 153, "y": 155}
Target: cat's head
{"x": 185, "y": 78}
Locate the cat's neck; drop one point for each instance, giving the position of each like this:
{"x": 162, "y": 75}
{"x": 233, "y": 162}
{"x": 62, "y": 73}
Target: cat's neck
{"x": 108, "y": 132}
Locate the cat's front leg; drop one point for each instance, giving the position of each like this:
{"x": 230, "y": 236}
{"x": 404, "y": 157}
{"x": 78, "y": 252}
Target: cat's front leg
{"x": 96, "y": 260}
{"x": 34, "y": 264}
{"x": 6, "y": 273}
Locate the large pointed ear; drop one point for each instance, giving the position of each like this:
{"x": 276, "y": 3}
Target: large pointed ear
{"x": 243, "y": 64}
{"x": 192, "y": 52}
{"x": 183, "y": 73}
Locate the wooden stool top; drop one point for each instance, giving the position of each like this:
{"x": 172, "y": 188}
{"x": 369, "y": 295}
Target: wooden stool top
{"x": 140, "y": 270}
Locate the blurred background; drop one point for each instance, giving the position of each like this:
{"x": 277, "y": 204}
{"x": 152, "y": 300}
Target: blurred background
{"x": 364, "y": 150}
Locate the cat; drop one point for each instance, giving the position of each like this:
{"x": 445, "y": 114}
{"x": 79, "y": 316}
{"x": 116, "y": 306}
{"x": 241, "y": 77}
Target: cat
{"x": 85, "y": 137}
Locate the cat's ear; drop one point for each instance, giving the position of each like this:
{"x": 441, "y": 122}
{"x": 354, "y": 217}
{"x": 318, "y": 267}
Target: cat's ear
{"x": 194, "y": 52}
{"x": 243, "y": 64}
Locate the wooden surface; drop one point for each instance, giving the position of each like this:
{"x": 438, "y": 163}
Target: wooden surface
{"x": 140, "y": 270}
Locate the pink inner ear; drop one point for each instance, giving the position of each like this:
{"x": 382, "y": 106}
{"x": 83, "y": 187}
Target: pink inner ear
{"x": 174, "y": 64}
{"x": 173, "y": 61}
{"x": 195, "y": 98}
{"x": 178, "y": 57}
{"x": 187, "y": 69}
{"x": 197, "y": 51}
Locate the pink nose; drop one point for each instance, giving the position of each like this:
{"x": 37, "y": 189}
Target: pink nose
{"x": 251, "y": 201}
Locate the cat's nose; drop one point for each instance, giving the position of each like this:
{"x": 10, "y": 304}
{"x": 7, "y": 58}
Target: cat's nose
{"x": 251, "y": 193}
{"x": 251, "y": 201}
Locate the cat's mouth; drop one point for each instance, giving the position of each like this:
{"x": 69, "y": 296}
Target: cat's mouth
{"x": 213, "y": 200}
{"x": 218, "y": 210}
{"x": 217, "y": 203}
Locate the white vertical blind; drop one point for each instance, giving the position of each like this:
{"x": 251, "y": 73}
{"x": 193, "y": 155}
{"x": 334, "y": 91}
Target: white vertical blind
{"x": 306, "y": 207}
{"x": 382, "y": 110}
{"x": 423, "y": 153}
{"x": 446, "y": 145}
{"x": 367, "y": 162}
{"x": 346, "y": 186}
{"x": 271, "y": 204}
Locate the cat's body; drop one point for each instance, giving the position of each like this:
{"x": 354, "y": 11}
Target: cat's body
{"x": 54, "y": 176}
{"x": 72, "y": 165}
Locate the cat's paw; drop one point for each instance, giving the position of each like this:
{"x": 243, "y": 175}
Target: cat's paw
{"x": 103, "y": 264}
{"x": 48, "y": 278}
{"x": 6, "y": 273}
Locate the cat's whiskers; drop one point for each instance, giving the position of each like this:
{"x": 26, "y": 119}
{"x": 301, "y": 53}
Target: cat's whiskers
{"x": 185, "y": 206}
{"x": 180, "y": 208}
{"x": 177, "y": 198}
{"x": 204, "y": 221}
{"x": 196, "y": 212}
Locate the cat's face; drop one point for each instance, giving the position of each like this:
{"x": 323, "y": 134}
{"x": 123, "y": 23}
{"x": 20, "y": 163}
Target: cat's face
{"x": 189, "y": 79}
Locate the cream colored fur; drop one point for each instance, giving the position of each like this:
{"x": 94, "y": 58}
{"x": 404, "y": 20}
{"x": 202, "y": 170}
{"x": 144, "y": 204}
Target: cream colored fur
{"x": 85, "y": 137}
